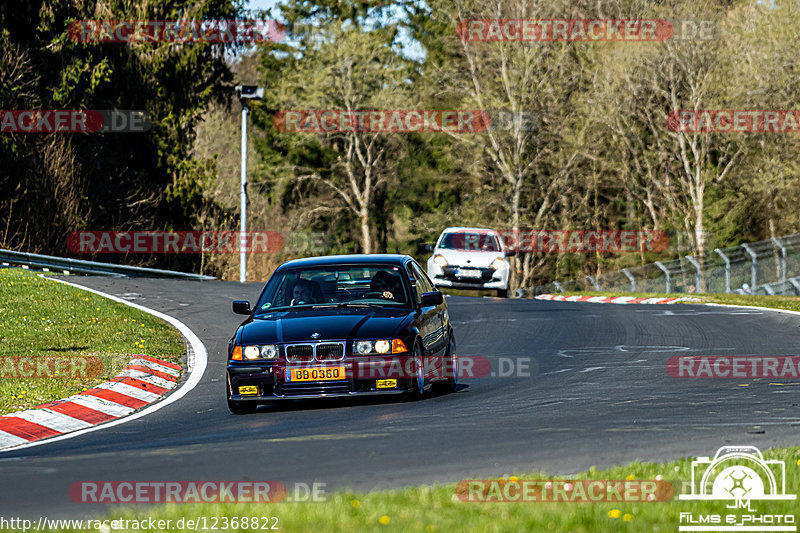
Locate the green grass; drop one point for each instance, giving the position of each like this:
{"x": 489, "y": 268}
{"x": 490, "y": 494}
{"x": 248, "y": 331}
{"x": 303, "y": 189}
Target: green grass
{"x": 438, "y": 509}
{"x": 42, "y": 318}
{"x": 791, "y": 303}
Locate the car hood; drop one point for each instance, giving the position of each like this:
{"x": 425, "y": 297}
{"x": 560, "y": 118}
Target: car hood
{"x": 330, "y": 324}
{"x": 473, "y": 258}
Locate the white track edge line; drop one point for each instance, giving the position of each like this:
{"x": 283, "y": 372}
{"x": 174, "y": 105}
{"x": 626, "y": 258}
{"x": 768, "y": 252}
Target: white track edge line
{"x": 196, "y": 362}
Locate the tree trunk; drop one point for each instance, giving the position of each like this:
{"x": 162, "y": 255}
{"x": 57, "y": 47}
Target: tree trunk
{"x": 366, "y": 241}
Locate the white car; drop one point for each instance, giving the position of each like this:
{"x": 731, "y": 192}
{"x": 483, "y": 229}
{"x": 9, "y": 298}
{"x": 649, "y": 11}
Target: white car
{"x": 470, "y": 258}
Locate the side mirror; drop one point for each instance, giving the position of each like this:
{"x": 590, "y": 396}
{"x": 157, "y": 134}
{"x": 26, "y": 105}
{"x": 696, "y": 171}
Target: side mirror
{"x": 241, "y": 307}
{"x": 429, "y": 299}
{"x": 510, "y": 253}
{"x": 428, "y": 248}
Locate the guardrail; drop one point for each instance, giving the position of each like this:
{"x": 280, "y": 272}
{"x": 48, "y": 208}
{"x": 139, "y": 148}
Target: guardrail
{"x": 764, "y": 267}
{"x": 80, "y": 266}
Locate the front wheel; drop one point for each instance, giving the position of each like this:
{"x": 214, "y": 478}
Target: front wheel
{"x": 418, "y": 381}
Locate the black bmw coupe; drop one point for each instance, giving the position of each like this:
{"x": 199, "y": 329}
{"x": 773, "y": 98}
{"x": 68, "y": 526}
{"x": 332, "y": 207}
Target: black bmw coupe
{"x": 341, "y": 326}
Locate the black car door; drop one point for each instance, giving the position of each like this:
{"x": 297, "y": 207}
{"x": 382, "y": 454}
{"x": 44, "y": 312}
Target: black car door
{"x": 430, "y": 322}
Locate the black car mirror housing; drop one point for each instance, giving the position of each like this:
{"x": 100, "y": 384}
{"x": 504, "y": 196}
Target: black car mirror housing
{"x": 241, "y": 307}
{"x": 430, "y": 299}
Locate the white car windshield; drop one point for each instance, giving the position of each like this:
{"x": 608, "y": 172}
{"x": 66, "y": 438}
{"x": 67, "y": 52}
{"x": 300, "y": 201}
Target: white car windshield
{"x": 469, "y": 240}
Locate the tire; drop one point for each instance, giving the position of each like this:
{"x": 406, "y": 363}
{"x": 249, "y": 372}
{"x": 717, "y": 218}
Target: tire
{"x": 502, "y": 293}
{"x": 451, "y": 384}
{"x": 417, "y": 391}
{"x": 239, "y": 408}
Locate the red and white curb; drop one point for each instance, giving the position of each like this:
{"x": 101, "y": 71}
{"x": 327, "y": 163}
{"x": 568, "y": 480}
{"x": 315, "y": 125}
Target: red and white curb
{"x": 143, "y": 381}
{"x": 611, "y": 299}
{"x": 129, "y": 396}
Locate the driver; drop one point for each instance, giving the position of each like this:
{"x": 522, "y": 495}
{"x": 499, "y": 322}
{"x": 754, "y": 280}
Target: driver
{"x": 387, "y": 284}
{"x": 302, "y": 292}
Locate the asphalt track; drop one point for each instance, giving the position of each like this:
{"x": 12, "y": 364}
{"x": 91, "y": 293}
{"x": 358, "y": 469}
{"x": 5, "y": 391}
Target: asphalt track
{"x": 601, "y": 396}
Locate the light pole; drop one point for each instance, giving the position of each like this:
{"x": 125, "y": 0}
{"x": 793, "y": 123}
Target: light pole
{"x": 245, "y": 93}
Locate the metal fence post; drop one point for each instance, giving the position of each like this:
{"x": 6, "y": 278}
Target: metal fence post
{"x": 660, "y": 265}
{"x": 783, "y": 258}
{"x": 696, "y": 265}
{"x": 727, "y": 269}
{"x": 594, "y": 283}
{"x": 754, "y": 260}
{"x": 795, "y": 284}
{"x": 631, "y": 278}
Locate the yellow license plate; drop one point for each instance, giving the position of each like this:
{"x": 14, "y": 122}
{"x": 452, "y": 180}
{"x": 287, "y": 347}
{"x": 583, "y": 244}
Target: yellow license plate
{"x": 248, "y": 389}
{"x": 386, "y": 383}
{"x": 327, "y": 373}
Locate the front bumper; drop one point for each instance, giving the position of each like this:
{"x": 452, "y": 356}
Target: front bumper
{"x": 272, "y": 387}
{"x": 489, "y": 277}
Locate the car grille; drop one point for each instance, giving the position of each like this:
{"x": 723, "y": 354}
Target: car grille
{"x": 330, "y": 352}
{"x": 304, "y": 353}
{"x": 299, "y": 353}
{"x": 315, "y": 388}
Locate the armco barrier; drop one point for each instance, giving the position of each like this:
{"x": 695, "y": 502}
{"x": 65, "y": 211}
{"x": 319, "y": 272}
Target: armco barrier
{"x": 90, "y": 267}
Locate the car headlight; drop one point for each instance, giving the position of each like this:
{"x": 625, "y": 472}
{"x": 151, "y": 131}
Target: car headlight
{"x": 498, "y": 263}
{"x": 440, "y": 260}
{"x": 363, "y": 347}
{"x": 366, "y": 347}
{"x": 268, "y": 351}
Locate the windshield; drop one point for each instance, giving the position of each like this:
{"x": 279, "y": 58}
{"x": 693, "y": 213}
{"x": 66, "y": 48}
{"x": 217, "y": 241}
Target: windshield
{"x": 332, "y": 286}
{"x": 470, "y": 240}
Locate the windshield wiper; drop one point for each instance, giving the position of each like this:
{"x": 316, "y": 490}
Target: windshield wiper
{"x": 344, "y": 305}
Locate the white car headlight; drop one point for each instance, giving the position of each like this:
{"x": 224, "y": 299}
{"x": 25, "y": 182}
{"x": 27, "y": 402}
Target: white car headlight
{"x": 440, "y": 260}
{"x": 383, "y": 346}
{"x": 363, "y": 347}
{"x": 269, "y": 351}
{"x": 498, "y": 263}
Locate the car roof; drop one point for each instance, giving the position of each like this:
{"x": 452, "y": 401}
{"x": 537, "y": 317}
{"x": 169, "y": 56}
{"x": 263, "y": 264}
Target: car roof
{"x": 459, "y": 228}
{"x": 351, "y": 259}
